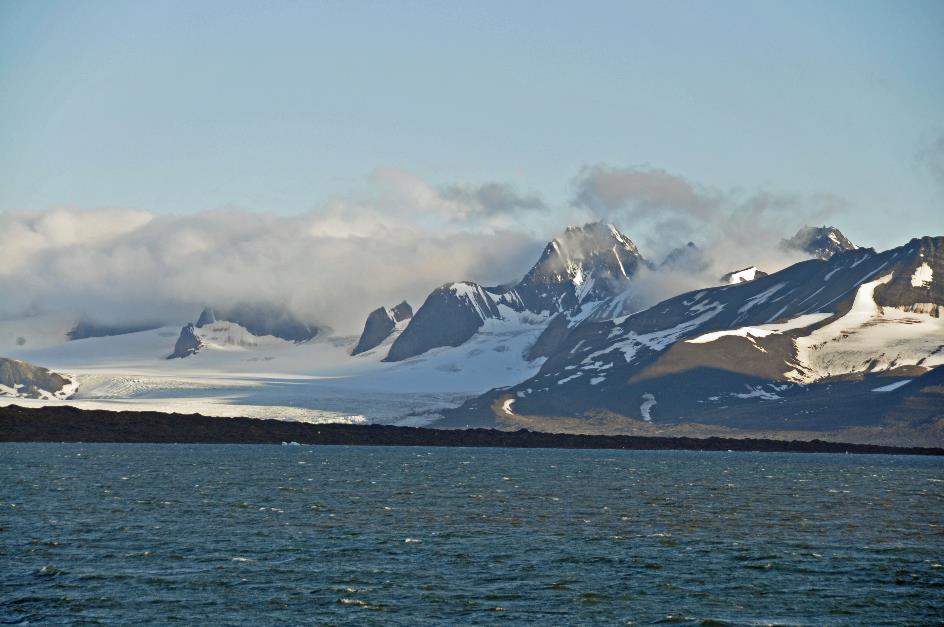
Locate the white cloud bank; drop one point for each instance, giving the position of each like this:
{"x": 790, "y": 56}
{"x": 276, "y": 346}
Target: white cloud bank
{"x": 400, "y": 239}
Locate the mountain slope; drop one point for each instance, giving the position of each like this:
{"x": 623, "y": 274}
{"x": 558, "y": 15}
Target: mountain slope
{"x": 261, "y": 320}
{"x": 382, "y": 323}
{"x": 701, "y": 355}
{"x": 21, "y": 379}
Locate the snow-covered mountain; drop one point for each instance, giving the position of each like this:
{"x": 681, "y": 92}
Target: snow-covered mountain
{"x": 750, "y": 354}
{"x": 381, "y": 324}
{"x": 584, "y": 266}
{"x": 821, "y": 242}
{"x": 20, "y": 379}
{"x": 241, "y": 326}
{"x": 261, "y": 320}
{"x": 842, "y": 348}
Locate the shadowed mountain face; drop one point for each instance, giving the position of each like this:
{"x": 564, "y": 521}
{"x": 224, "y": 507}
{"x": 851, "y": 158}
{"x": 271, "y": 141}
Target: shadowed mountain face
{"x": 449, "y": 316}
{"x": 187, "y": 344}
{"x": 584, "y": 265}
{"x": 19, "y": 378}
{"x": 381, "y": 323}
{"x": 687, "y": 258}
{"x": 760, "y": 354}
{"x": 261, "y": 320}
{"x": 87, "y": 328}
{"x": 821, "y": 242}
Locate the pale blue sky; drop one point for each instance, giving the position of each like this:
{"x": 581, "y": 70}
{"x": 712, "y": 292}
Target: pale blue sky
{"x": 186, "y": 106}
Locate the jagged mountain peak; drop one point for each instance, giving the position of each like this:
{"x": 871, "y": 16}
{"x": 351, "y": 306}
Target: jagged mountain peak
{"x": 687, "y": 258}
{"x": 821, "y": 242}
{"x": 593, "y": 238}
{"x": 583, "y": 265}
{"x": 381, "y": 324}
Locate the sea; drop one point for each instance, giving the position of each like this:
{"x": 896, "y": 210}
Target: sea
{"x": 360, "y": 535}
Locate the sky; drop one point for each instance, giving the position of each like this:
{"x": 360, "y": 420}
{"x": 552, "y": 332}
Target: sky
{"x": 437, "y": 120}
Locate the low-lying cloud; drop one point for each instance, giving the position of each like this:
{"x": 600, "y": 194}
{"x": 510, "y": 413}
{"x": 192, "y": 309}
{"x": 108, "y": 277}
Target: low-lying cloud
{"x": 733, "y": 228}
{"x": 400, "y": 238}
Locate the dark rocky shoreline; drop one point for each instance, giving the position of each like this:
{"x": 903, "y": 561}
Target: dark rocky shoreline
{"x": 69, "y": 424}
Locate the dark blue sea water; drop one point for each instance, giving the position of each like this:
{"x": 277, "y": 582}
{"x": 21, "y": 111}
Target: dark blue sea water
{"x": 242, "y": 534}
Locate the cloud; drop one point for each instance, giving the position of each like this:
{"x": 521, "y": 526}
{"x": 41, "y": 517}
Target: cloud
{"x": 329, "y": 266}
{"x": 399, "y": 237}
{"x": 642, "y": 192}
{"x": 402, "y": 194}
{"x": 733, "y": 228}
{"x": 491, "y": 199}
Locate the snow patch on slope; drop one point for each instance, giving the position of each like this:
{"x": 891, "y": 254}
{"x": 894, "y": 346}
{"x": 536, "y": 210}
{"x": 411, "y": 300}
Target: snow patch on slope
{"x": 763, "y": 330}
{"x": 891, "y": 387}
{"x": 869, "y": 338}
{"x": 645, "y": 409}
{"x": 923, "y": 275}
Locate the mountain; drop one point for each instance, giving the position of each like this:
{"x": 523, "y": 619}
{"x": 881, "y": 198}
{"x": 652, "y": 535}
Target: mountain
{"x": 584, "y": 266}
{"x": 261, "y": 320}
{"x": 742, "y": 276}
{"x": 687, "y": 258}
{"x": 21, "y": 379}
{"x": 821, "y": 242}
{"x": 243, "y": 326}
{"x": 807, "y": 348}
{"x": 189, "y": 343}
{"x": 381, "y": 324}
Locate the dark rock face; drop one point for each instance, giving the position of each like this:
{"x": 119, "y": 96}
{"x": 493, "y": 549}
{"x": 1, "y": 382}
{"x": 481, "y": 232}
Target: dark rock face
{"x": 86, "y": 328}
{"x": 585, "y": 264}
{"x": 920, "y": 282}
{"x": 207, "y": 316}
{"x": 261, "y": 320}
{"x": 380, "y": 324}
{"x": 450, "y": 316}
{"x": 821, "y": 242}
{"x": 403, "y": 311}
{"x": 187, "y": 344}
{"x": 29, "y": 380}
